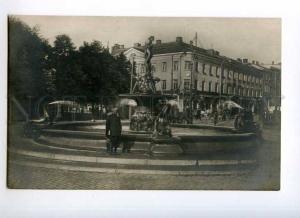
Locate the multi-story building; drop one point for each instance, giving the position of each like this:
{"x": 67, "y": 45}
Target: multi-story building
{"x": 201, "y": 78}
{"x": 272, "y": 78}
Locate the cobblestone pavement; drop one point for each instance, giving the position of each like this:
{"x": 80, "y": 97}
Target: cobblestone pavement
{"x": 41, "y": 178}
{"x": 266, "y": 177}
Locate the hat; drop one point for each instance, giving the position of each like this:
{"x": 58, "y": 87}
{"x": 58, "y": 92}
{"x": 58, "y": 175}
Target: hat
{"x": 115, "y": 109}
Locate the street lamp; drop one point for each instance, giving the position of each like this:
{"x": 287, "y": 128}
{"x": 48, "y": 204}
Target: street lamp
{"x": 221, "y": 78}
{"x": 192, "y": 85}
{"x": 131, "y": 81}
{"x": 132, "y": 71}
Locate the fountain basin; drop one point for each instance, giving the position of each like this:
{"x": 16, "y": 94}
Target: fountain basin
{"x": 186, "y": 139}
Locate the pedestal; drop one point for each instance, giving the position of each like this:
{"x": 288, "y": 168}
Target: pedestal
{"x": 166, "y": 146}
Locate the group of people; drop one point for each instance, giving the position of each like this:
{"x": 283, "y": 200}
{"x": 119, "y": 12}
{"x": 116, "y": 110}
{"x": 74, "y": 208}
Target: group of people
{"x": 142, "y": 122}
{"x": 113, "y": 130}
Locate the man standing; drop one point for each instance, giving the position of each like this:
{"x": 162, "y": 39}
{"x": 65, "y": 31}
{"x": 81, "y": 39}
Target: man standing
{"x": 113, "y": 129}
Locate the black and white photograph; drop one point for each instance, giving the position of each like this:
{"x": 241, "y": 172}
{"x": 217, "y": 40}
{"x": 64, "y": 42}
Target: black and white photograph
{"x": 144, "y": 103}
{"x": 149, "y": 108}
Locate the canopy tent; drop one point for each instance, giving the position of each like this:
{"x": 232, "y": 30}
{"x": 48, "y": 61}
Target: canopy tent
{"x": 128, "y": 102}
{"x": 231, "y": 104}
{"x": 64, "y": 102}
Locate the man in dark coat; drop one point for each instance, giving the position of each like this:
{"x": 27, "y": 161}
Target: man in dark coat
{"x": 113, "y": 129}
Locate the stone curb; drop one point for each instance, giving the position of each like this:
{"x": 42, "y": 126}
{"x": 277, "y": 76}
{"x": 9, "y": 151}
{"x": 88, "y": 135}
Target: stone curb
{"x": 146, "y": 137}
{"x": 127, "y": 161}
{"x": 99, "y": 144}
{"x": 128, "y": 171}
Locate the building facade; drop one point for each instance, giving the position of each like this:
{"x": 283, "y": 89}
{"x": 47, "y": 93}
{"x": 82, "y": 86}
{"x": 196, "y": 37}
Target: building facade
{"x": 203, "y": 78}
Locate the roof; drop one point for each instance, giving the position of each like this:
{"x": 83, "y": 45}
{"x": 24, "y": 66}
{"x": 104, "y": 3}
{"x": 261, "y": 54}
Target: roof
{"x": 176, "y": 47}
{"x": 165, "y": 48}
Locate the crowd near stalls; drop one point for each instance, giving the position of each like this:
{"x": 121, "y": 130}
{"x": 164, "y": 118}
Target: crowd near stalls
{"x": 142, "y": 120}
{"x": 72, "y": 111}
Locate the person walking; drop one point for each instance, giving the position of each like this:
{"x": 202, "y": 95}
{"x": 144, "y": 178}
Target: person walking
{"x": 113, "y": 130}
{"x": 216, "y": 116}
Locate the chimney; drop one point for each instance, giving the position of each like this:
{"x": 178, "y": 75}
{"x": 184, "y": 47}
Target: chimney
{"x": 273, "y": 62}
{"x": 136, "y": 44}
{"x": 191, "y": 42}
{"x": 121, "y": 46}
{"x": 253, "y": 62}
{"x": 256, "y": 62}
{"x": 158, "y": 42}
{"x": 239, "y": 59}
{"x": 245, "y": 60}
{"x": 115, "y": 47}
{"x": 211, "y": 51}
{"x": 179, "y": 39}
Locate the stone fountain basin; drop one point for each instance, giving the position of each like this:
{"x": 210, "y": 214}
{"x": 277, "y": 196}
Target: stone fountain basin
{"x": 193, "y": 139}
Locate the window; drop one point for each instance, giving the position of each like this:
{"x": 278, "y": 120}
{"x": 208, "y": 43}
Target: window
{"x": 234, "y": 90}
{"x": 230, "y": 74}
{"x": 196, "y": 67}
{"x": 175, "y": 84}
{"x": 164, "y": 84}
{"x": 235, "y": 75}
{"x": 249, "y": 78}
{"x": 223, "y": 88}
{"x": 209, "y": 86}
{"x": 217, "y": 88}
{"x": 203, "y": 86}
{"x": 153, "y": 68}
{"x": 210, "y": 70}
{"x": 176, "y": 66}
{"x": 257, "y": 81}
{"x": 186, "y": 84}
{"x": 229, "y": 89}
{"x": 164, "y": 66}
{"x": 203, "y": 69}
{"x": 213, "y": 70}
{"x": 195, "y": 84}
{"x": 245, "y": 78}
{"x": 240, "y": 76}
{"x": 199, "y": 66}
{"x": 187, "y": 65}
{"x": 142, "y": 68}
{"x": 224, "y": 73}
{"x": 217, "y": 71}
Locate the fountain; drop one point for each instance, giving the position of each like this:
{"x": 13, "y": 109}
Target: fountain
{"x": 150, "y": 131}
{"x": 155, "y": 108}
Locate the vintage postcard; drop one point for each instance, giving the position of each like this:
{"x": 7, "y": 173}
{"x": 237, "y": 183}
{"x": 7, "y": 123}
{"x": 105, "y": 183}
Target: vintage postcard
{"x": 144, "y": 103}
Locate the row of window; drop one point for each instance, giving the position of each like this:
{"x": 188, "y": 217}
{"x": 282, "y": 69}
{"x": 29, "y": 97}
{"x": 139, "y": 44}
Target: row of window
{"x": 225, "y": 89}
{"x": 209, "y": 69}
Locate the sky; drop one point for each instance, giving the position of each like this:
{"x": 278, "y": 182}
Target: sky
{"x": 253, "y": 38}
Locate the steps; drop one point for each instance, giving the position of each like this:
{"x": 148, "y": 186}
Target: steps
{"x": 87, "y": 144}
{"x": 90, "y": 155}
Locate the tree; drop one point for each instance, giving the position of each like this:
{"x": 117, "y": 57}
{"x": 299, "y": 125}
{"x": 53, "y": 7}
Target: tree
{"x": 27, "y": 59}
{"x": 123, "y": 68}
{"x": 67, "y": 71}
{"x": 37, "y": 69}
{"x": 103, "y": 75}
